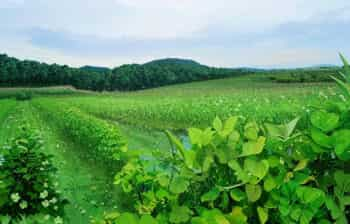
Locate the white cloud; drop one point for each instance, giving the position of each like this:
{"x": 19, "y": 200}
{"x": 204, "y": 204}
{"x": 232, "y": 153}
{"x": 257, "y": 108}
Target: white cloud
{"x": 200, "y": 29}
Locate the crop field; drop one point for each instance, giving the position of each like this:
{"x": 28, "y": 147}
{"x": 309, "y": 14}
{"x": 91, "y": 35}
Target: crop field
{"x": 147, "y": 156}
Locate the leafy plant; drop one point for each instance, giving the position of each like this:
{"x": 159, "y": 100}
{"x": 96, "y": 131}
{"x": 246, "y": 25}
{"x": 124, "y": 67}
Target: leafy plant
{"x": 27, "y": 181}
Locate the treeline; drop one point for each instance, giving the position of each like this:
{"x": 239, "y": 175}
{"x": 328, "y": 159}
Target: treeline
{"x": 305, "y": 75}
{"x": 14, "y": 72}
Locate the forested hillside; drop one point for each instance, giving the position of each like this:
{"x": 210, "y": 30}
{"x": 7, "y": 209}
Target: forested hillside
{"x": 14, "y": 72}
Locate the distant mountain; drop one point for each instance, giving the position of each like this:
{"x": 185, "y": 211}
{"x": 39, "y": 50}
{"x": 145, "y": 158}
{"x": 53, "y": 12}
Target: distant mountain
{"x": 174, "y": 61}
{"x": 94, "y": 68}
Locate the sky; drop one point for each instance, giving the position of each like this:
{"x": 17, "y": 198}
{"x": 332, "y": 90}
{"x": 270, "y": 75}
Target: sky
{"x": 223, "y": 33}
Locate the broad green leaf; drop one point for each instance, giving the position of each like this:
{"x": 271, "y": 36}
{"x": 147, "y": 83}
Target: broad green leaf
{"x": 237, "y": 216}
{"x": 217, "y": 124}
{"x": 180, "y": 214}
{"x": 251, "y": 131}
{"x": 179, "y": 185}
{"x": 195, "y": 136}
{"x": 253, "y": 192}
{"x": 324, "y": 120}
{"x": 207, "y": 136}
{"x": 263, "y": 214}
{"x": 147, "y": 219}
{"x": 163, "y": 180}
{"x": 256, "y": 168}
{"x": 229, "y": 126}
{"x": 306, "y": 216}
{"x": 296, "y": 213}
{"x": 282, "y": 132}
{"x": 237, "y": 195}
{"x": 342, "y": 181}
{"x": 211, "y": 195}
{"x": 269, "y": 183}
{"x": 333, "y": 207}
{"x": 341, "y": 141}
{"x": 239, "y": 172}
{"x": 309, "y": 194}
{"x": 320, "y": 138}
{"x": 127, "y": 218}
{"x": 253, "y": 147}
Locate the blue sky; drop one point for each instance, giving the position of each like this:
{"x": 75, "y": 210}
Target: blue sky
{"x": 230, "y": 33}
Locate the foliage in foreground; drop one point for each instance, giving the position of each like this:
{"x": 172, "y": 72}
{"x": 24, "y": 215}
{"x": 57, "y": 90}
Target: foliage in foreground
{"x": 27, "y": 181}
{"x": 247, "y": 174}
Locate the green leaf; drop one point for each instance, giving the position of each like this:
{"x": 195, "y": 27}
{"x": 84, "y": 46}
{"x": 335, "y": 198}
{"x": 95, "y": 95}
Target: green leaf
{"x": 237, "y": 195}
{"x": 341, "y": 141}
{"x": 342, "y": 181}
{"x": 147, "y": 219}
{"x": 180, "y": 214}
{"x": 253, "y": 147}
{"x": 263, "y": 214}
{"x": 179, "y": 185}
{"x": 217, "y": 124}
{"x": 282, "y": 132}
{"x": 253, "y": 192}
{"x": 174, "y": 140}
{"x": 309, "y": 194}
{"x": 324, "y": 120}
{"x": 212, "y": 195}
{"x": 346, "y": 68}
{"x": 306, "y": 216}
{"x": 239, "y": 172}
{"x": 251, "y": 131}
{"x": 344, "y": 87}
{"x": 237, "y": 216}
{"x": 256, "y": 168}
{"x": 301, "y": 165}
{"x": 127, "y": 218}
{"x": 269, "y": 183}
{"x": 195, "y": 136}
{"x": 320, "y": 138}
{"x": 229, "y": 126}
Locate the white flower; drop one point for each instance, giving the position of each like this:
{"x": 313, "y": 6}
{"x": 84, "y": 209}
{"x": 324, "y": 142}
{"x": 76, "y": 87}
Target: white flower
{"x": 45, "y": 203}
{"x": 23, "y": 205}
{"x": 53, "y": 200}
{"x": 58, "y": 220}
{"x": 15, "y": 197}
{"x": 46, "y": 185}
{"x": 44, "y": 194}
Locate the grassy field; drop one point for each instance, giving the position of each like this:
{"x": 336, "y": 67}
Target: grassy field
{"x": 197, "y": 104}
{"x": 141, "y": 117}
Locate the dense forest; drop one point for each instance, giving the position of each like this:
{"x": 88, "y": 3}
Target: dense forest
{"x": 14, "y": 72}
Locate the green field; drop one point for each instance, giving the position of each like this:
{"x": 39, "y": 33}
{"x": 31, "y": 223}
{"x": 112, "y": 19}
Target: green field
{"x": 82, "y": 130}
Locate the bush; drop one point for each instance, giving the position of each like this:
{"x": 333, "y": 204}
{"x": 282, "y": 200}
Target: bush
{"x": 27, "y": 181}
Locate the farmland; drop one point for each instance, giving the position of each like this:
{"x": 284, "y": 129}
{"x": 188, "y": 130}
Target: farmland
{"x": 114, "y": 154}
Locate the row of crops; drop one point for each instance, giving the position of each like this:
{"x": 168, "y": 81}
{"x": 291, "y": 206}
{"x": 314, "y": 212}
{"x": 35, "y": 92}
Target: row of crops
{"x": 186, "y": 110}
{"x": 103, "y": 141}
